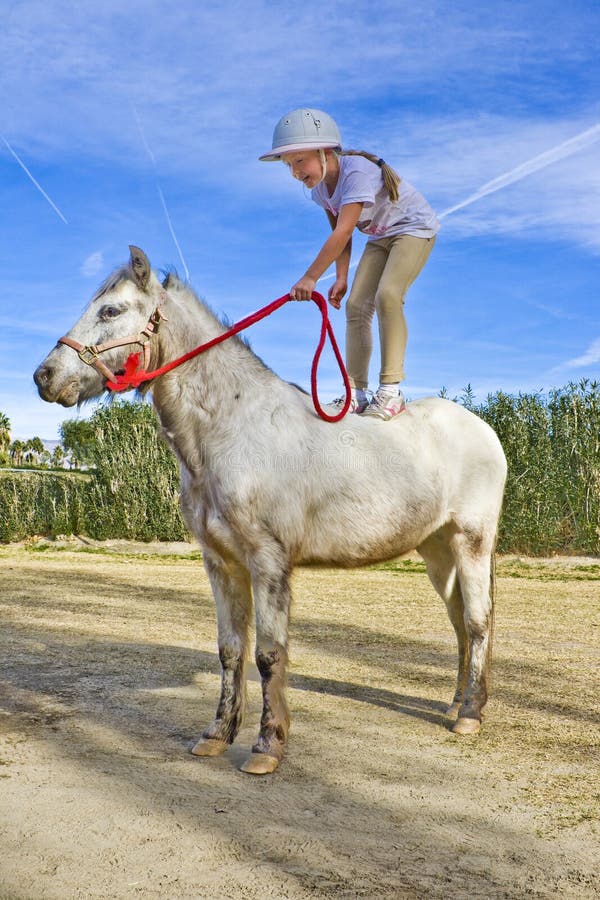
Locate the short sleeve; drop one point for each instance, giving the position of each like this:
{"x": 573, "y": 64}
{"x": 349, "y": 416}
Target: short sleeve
{"x": 357, "y": 187}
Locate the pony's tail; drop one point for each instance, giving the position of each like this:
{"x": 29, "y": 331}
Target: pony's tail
{"x": 391, "y": 179}
{"x": 492, "y": 620}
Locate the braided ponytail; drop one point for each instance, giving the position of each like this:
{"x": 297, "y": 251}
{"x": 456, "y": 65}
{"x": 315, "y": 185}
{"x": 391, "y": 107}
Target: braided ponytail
{"x": 391, "y": 179}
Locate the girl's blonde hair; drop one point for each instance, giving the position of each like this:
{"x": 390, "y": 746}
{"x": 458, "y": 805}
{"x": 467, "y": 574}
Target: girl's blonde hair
{"x": 391, "y": 179}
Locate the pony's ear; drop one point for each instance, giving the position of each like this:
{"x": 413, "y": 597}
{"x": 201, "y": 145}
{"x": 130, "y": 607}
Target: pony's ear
{"x": 140, "y": 265}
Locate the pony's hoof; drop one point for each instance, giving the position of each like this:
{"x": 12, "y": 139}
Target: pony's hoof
{"x": 466, "y": 726}
{"x": 453, "y": 709}
{"x": 209, "y": 747}
{"x": 260, "y": 764}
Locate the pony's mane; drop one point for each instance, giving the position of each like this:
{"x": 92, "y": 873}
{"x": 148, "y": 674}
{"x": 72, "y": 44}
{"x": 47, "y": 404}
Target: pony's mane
{"x": 172, "y": 282}
{"x": 123, "y": 273}
{"x": 183, "y": 290}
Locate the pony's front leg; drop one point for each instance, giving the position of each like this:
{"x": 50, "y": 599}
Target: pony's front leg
{"x": 232, "y": 592}
{"x": 272, "y": 606}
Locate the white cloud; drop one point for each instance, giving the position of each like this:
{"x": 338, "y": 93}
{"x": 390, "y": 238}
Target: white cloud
{"x": 201, "y": 111}
{"x": 453, "y": 94}
{"x": 589, "y": 358}
{"x": 556, "y": 202}
{"x": 93, "y": 264}
{"x": 563, "y": 150}
{"x": 28, "y": 415}
{"x": 26, "y": 327}
{"x": 212, "y": 83}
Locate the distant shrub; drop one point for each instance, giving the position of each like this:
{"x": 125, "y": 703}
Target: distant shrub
{"x": 42, "y": 502}
{"x": 575, "y": 428}
{"x": 552, "y": 444}
{"x": 552, "y": 499}
{"x": 135, "y": 490}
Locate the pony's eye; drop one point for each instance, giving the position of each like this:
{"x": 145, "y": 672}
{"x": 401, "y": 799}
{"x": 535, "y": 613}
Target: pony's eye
{"x": 109, "y": 312}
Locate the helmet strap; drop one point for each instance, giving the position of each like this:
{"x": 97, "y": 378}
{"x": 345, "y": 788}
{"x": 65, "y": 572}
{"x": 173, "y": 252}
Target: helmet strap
{"x": 323, "y": 159}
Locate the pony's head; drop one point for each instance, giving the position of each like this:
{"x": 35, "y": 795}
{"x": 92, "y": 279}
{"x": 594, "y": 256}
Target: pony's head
{"x": 117, "y": 322}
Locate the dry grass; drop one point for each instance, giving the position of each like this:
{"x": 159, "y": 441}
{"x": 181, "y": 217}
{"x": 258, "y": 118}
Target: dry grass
{"x": 110, "y": 670}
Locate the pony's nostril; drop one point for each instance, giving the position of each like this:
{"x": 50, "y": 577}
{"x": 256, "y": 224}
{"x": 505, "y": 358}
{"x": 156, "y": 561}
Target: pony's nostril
{"x": 41, "y": 376}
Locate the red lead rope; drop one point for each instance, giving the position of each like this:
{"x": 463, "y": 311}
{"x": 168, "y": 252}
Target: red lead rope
{"x": 133, "y": 376}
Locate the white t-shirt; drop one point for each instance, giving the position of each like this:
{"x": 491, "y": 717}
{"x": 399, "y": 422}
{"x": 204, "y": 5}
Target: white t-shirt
{"x": 361, "y": 181}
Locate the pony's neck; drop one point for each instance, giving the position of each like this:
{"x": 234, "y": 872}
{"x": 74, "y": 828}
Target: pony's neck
{"x": 190, "y": 324}
{"x": 203, "y": 395}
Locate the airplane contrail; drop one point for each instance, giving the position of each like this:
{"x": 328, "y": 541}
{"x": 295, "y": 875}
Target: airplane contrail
{"x": 160, "y": 193}
{"x": 37, "y": 184}
{"x": 561, "y": 151}
{"x": 172, "y": 230}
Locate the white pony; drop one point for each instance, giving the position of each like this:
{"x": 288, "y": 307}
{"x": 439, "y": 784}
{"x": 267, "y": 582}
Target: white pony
{"x": 267, "y": 485}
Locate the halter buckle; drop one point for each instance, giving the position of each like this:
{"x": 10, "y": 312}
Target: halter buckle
{"x": 157, "y": 317}
{"x": 152, "y": 326}
{"x": 88, "y": 355}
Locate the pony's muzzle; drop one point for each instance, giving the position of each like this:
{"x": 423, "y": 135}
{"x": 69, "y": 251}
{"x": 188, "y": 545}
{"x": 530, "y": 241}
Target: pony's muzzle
{"x": 52, "y": 390}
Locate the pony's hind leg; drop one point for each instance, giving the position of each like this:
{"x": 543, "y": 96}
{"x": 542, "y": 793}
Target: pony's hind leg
{"x": 271, "y": 589}
{"x": 233, "y": 597}
{"x": 441, "y": 568}
{"x": 474, "y": 554}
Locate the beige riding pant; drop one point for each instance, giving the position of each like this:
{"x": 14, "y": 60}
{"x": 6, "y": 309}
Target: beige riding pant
{"x": 386, "y": 270}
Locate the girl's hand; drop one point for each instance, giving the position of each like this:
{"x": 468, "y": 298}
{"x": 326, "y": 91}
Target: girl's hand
{"x": 337, "y": 291}
{"x": 303, "y": 289}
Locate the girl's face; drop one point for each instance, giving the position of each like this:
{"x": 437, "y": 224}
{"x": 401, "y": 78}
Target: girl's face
{"x": 305, "y": 165}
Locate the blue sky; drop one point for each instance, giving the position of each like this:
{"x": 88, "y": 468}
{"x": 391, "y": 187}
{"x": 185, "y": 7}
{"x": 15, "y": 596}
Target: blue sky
{"x": 105, "y": 103}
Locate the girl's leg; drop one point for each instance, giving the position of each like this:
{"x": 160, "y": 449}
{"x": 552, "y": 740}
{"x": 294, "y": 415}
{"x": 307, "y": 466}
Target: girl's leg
{"x": 407, "y": 256}
{"x": 360, "y": 309}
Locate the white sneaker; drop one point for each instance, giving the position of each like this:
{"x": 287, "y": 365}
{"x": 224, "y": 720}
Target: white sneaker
{"x": 384, "y": 405}
{"x": 356, "y": 406}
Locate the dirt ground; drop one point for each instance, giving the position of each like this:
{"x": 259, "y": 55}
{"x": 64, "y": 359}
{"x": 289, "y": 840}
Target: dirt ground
{"x": 110, "y": 672}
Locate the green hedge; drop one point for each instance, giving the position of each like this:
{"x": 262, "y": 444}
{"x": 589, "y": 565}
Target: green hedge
{"x": 131, "y": 492}
{"x": 552, "y": 500}
{"x": 552, "y": 445}
{"x": 135, "y": 490}
{"x": 44, "y": 503}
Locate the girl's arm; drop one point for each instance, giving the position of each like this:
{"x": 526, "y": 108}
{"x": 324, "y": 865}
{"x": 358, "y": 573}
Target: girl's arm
{"x": 342, "y": 264}
{"x": 335, "y": 246}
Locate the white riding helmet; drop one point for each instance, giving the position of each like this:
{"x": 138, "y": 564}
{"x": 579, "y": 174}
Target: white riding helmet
{"x": 303, "y": 129}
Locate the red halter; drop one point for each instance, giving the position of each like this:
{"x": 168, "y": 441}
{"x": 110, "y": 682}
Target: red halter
{"x": 90, "y": 354}
{"x": 133, "y": 376}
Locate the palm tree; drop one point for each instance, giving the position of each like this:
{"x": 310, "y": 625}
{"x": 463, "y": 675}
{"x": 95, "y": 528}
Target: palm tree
{"x": 37, "y": 445}
{"x": 58, "y": 455}
{"x": 33, "y": 450}
{"x": 4, "y": 438}
{"x": 16, "y": 452}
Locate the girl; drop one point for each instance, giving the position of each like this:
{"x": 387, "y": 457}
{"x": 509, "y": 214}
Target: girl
{"x": 359, "y": 190}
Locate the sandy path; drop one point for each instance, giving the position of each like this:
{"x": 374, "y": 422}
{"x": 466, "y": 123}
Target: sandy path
{"x": 109, "y": 672}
